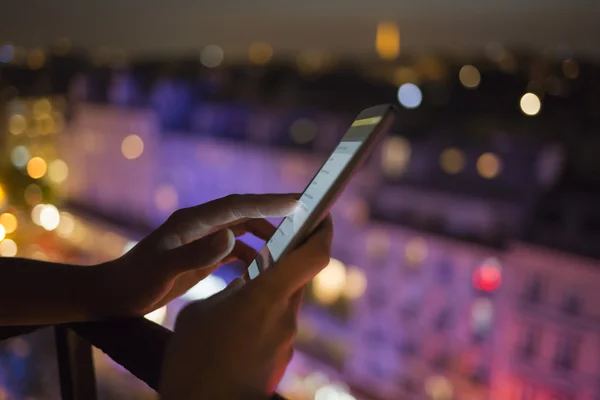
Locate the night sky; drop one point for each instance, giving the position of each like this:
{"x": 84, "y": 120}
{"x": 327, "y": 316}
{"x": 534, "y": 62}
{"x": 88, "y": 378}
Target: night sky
{"x": 175, "y": 26}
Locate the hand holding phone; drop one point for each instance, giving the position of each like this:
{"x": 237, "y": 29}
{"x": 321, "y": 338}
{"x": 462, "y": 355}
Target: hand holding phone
{"x": 326, "y": 186}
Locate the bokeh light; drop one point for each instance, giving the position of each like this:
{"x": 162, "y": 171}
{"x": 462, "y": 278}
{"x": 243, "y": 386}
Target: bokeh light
{"x": 329, "y": 284}
{"x": 410, "y": 96}
{"x": 489, "y": 165}
{"x": 452, "y": 160}
{"x": 19, "y": 156}
{"x": 2, "y": 232}
{"x": 49, "y": 217}
{"x": 377, "y": 244}
{"x": 570, "y": 69}
{"x": 439, "y": 388}
{"x": 416, "y": 251}
{"x": 36, "y": 167}
{"x": 387, "y": 40}
{"x": 58, "y": 171}
{"x": 530, "y": 104}
{"x": 488, "y": 276}
{"x": 66, "y": 225}
{"x": 42, "y": 108}
{"x": 356, "y": 283}
{"x": 9, "y": 222}
{"x": 303, "y": 131}
{"x": 212, "y": 56}
{"x": 166, "y": 198}
{"x": 7, "y": 52}
{"x": 36, "y": 59}
{"x": 395, "y": 156}
{"x": 17, "y": 124}
{"x": 260, "y": 53}
{"x": 132, "y": 147}
{"x": 469, "y": 76}
{"x": 8, "y": 248}
{"x": 2, "y": 197}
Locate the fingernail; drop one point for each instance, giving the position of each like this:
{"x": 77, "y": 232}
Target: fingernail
{"x": 220, "y": 241}
{"x": 295, "y": 205}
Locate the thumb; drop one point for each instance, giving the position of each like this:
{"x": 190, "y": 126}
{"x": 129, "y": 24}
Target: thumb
{"x": 229, "y": 291}
{"x": 201, "y": 253}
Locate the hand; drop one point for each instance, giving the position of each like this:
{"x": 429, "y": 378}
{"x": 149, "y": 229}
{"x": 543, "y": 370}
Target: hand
{"x": 184, "y": 250}
{"x": 237, "y": 344}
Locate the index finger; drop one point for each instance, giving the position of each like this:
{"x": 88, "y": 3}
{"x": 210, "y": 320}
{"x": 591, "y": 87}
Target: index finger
{"x": 194, "y": 222}
{"x": 301, "y": 265}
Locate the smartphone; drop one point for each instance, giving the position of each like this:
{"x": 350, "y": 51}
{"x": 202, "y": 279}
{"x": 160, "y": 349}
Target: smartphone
{"x": 319, "y": 196}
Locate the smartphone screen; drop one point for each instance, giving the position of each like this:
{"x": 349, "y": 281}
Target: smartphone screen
{"x": 326, "y": 185}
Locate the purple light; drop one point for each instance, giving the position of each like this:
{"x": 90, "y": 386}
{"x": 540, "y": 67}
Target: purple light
{"x": 7, "y": 53}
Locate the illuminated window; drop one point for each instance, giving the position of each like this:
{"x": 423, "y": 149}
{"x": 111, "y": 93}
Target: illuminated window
{"x": 387, "y": 40}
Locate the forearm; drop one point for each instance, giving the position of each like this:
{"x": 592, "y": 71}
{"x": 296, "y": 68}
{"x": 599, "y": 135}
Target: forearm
{"x": 35, "y": 292}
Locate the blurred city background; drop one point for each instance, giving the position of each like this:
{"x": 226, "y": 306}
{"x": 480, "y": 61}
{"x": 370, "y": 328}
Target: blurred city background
{"x": 466, "y": 253}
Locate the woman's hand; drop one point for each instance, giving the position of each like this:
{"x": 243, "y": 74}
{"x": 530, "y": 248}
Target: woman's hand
{"x": 237, "y": 344}
{"x": 190, "y": 245}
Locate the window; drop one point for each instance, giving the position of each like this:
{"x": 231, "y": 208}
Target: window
{"x": 407, "y": 348}
{"x": 443, "y": 320}
{"x": 480, "y": 375}
{"x": 441, "y": 362}
{"x": 566, "y": 353}
{"x": 376, "y": 299}
{"x": 528, "y": 345}
{"x": 572, "y": 303}
{"x": 444, "y": 272}
{"x": 375, "y": 336}
{"x": 409, "y": 310}
{"x": 533, "y": 290}
{"x": 407, "y": 384}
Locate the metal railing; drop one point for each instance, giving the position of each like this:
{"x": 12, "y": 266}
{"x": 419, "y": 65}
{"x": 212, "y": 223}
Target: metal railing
{"x": 136, "y": 344}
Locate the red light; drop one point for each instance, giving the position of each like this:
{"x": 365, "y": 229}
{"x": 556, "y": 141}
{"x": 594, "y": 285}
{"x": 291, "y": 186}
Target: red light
{"x": 487, "y": 278}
